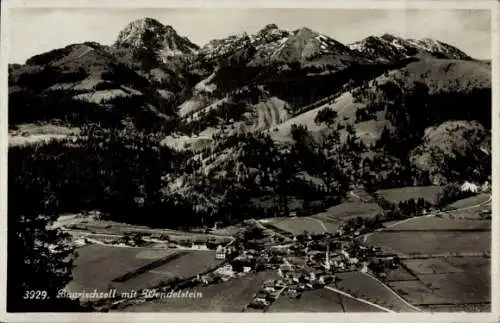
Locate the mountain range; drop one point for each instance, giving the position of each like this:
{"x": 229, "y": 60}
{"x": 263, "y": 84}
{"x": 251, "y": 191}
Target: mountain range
{"x": 391, "y": 110}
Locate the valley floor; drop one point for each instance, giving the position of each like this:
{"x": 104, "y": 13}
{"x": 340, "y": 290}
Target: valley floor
{"x": 435, "y": 273}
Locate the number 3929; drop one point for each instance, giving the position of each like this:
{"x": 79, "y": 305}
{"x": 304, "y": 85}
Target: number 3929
{"x": 35, "y": 294}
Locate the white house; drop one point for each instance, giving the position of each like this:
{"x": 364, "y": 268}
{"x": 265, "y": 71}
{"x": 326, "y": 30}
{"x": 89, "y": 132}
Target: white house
{"x": 226, "y": 270}
{"x": 470, "y": 187}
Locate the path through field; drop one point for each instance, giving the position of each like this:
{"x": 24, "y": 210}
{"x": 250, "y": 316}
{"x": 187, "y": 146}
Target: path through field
{"x": 359, "y": 299}
{"x": 393, "y": 292}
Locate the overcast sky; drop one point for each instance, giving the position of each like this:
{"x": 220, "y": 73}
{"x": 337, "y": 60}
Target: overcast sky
{"x": 33, "y": 31}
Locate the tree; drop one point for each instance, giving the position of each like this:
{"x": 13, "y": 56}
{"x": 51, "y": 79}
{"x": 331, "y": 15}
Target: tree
{"x": 325, "y": 115}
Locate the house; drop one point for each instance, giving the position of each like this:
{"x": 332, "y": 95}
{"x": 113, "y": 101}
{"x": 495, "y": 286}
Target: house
{"x": 279, "y": 284}
{"x": 268, "y": 283}
{"x": 225, "y": 271}
{"x": 220, "y": 253}
{"x": 469, "y": 187}
{"x": 272, "y": 296}
{"x": 259, "y": 303}
{"x": 286, "y": 267}
{"x": 353, "y": 261}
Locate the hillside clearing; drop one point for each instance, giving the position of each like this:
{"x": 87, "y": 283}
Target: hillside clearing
{"x": 396, "y": 195}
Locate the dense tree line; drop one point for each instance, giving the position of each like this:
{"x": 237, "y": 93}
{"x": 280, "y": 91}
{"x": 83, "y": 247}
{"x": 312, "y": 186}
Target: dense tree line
{"x": 116, "y": 172}
{"x": 39, "y": 259}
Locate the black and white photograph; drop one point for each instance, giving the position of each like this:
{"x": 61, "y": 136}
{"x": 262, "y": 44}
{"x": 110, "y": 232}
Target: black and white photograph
{"x": 249, "y": 159}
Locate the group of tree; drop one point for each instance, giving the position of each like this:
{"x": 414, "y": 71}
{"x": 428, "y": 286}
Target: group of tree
{"x": 451, "y": 193}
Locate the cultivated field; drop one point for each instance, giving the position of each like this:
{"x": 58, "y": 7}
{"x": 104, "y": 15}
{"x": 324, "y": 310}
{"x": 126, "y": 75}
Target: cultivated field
{"x": 456, "y": 288}
{"x": 396, "y": 195}
{"x": 430, "y": 266}
{"x": 231, "y": 296}
{"x": 399, "y": 274}
{"x": 432, "y": 275}
{"x": 363, "y": 286}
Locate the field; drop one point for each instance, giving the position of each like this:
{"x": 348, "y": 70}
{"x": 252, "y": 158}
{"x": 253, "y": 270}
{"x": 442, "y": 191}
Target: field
{"x": 188, "y": 265}
{"x": 335, "y": 216}
{"x": 396, "y": 195}
{"x": 231, "y": 296}
{"x": 436, "y": 223}
{"x": 97, "y": 266}
{"x": 467, "y": 287}
{"x": 470, "y": 201}
{"x": 430, "y": 266}
{"x": 320, "y": 300}
{"x": 433, "y": 236}
{"x": 328, "y": 221}
{"x": 399, "y": 274}
{"x": 86, "y": 223}
{"x": 297, "y": 225}
{"x": 442, "y": 243}
{"x": 443, "y": 281}
{"x": 363, "y": 286}
{"x": 432, "y": 275}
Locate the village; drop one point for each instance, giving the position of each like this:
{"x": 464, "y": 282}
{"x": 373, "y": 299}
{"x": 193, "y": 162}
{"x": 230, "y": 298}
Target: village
{"x": 307, "y": 262}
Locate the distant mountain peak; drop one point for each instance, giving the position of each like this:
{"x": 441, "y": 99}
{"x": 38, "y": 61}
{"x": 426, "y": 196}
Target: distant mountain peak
{"x": 150, "y": 33}
{"x": 388, "y": 47}
{"x": 270, "y": 27}
{"x": 388, "y": 37}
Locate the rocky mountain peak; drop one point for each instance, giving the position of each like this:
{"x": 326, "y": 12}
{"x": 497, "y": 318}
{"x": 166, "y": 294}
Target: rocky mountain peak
{"x": 389, "y": 47}
{"x": 152, "y": 34}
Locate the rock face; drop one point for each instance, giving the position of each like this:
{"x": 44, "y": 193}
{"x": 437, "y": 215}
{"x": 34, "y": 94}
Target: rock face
{"x": 151, "y": 33}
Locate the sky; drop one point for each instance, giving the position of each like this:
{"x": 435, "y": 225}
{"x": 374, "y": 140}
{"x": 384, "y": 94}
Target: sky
{"x": 36, "y": 30}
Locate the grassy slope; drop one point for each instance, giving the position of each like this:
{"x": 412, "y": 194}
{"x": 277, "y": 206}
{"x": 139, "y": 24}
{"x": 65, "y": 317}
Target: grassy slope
{"x": 396, "y": 195}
